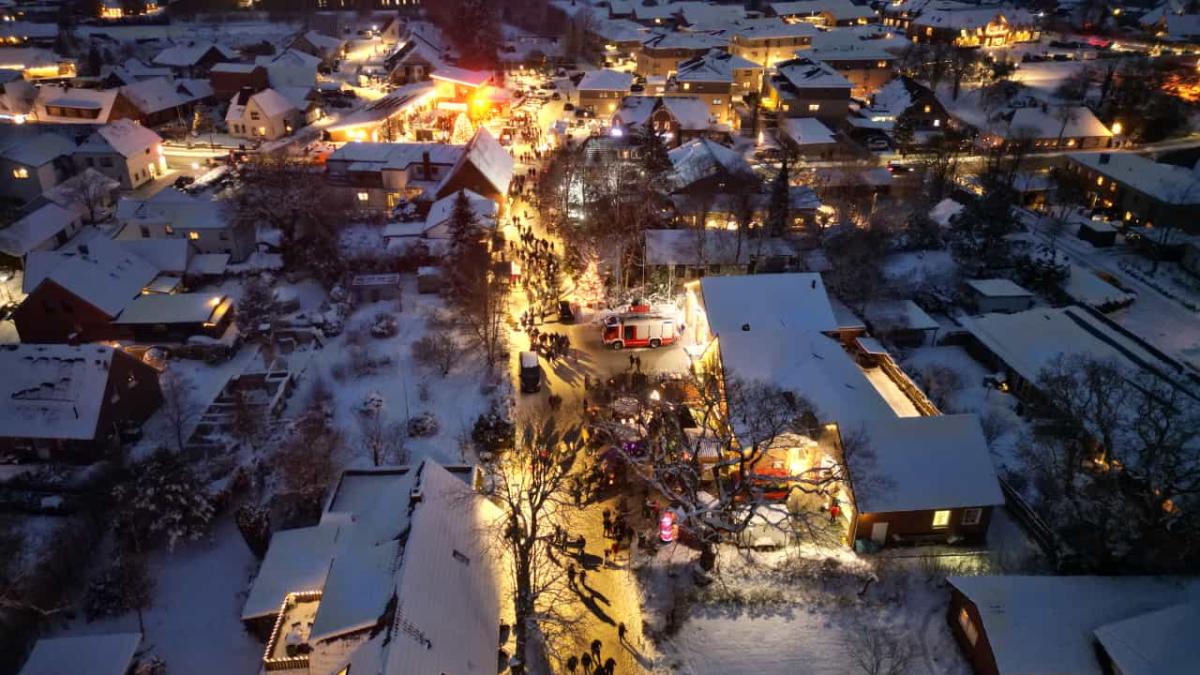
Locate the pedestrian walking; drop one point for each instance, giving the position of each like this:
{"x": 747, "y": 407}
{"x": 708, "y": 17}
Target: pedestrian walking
{"x": 610, "y": 666}
{"x": 596, "y": 644}
{"x": 572, "y": 664}
{"x": 621, "y": 631}
{"x": 571, "y": 574}
{"x": 607, "y": 522}
{"x": 616, "y": 548}
{"x": 586, "y": 659}
{"x": 638, "y": 361}
{"x": 583, "y": 577}
{"x": 631, "y": 361}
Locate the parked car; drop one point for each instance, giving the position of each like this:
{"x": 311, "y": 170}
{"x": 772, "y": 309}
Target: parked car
{"x": 877, "y": 144}
{"x": 568, "y": 107}
{"x": 184, "y": 181}
{"x": 531, "y": 373}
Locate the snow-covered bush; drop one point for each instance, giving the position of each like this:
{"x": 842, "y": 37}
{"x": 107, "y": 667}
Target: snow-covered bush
{"x": 124, "y": 587}
{"x": 423, "y": 425}
{"x": 492, "y": 433}
{"x": 384, "y": 326}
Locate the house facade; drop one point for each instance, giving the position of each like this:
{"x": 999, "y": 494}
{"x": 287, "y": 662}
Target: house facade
{"x": 125, "y": 151}
{"x": 264, "y": 115}
{"x": 1138, "y": 190}
{"x": 600, "y": 91}
{"x": 30, "y": 164}
{"x": 769, "y": 42}
{"x": 803, "y": 87}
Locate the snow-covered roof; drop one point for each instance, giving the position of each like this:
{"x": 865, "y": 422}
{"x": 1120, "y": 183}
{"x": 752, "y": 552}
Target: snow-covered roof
{"x": 715, "y": 66}
{"x": 84, "y": 655}
{"x": 1156, "y": 643}
{"x": 841, "y": 10}
{"x": 702, "y": 157}
{"x": 54, "y": 95}
{"x": 34, "y": 229}
{"x": 898, "y": 314}
{"x": 1166, "y": 182}
{"x": 807, "y": 131}
{"x": 1045, "y": 624}
{"x": 470, "y": 78}
{"x": 374, "y": 508}
{"x": 173, "y": 207}
{"x": 272, "y": 103}
{"x": 394, "y": 103}
{"x": 161, "y": 93}
{"x": 689, "y": 111}
{"x": 485, "y": 210}
{"x": 686, "y": 40}
{"x": 1081, "y": 122}
{"x": 35, "y": 150}
{"x": 1086, "y": 288}
{"x": 635, "y": 110}
{"x": 606, "y": 80}
{"x": 997, "y": 288}
{"x": 805, "y": 73}
{"x": 124, "y": 137}
{"x": 99, "y": 272}
{"x": 809, "y": 364}
{"x": 490, "y": 158}
{"x": 1183, "y": 28}
{"x": 1030, "y": 341}
{"x": 772, "y": 28}
{"x": 706, "y": 15}
{"x": 446, "y": 587}
{"x": 323, "y": 42}
{"x": 397, "y": 155}
{"x": 190, "y": 53}
{"x": 923, "y": 463}
{"x": 133, "y": 70}
{"x": 797, "y": 301}
{"x": 28, "y": 30}
{"x": 297, "y": 560}
{"x": 178, "y": 308}
{"x": 52, "y": 391}
{"x": 859, "y": 50}
{"x": 618, "y": 30}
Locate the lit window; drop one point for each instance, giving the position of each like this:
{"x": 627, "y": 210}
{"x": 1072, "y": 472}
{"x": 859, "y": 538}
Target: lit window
{"x": 814, "y": 107}
{"x": 968, "y": 626}
{"x": 193, "y": 235}
{"x": 168, "y": 229}
{"x": 937, "y": 123}
{"x": 1099, "y": 180}
{"x": 972, "y": 516}
{"x": 941, "y": 518}
{"x": 20, "y": 172}
{"x": 364, "y": 196}
{"x": 1128, "y": 215}
{"x": 928, "y": 108}
{"x": 687, "y": 86}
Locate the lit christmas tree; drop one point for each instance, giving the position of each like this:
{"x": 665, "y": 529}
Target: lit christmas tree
{"x": 589, "y": 287}
{"x": 463, "y": 131}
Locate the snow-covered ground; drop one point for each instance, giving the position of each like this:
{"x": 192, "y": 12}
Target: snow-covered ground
{"x": 194, "y": 623}
{"x": 805, "y": 612}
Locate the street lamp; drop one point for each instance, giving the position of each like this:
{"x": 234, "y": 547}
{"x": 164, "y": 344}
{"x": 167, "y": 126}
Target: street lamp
{"x": 1117, "y": 128}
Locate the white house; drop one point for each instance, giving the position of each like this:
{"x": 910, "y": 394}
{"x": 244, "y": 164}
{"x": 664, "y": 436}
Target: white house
{"x": 30, "y": 164}
{"x": 290, "y": 68}
{"x": 266, "y": 115}
{"x": 125, "y": 151}
{"x": 43, "y": 229}
{"x": 171, "y": 213}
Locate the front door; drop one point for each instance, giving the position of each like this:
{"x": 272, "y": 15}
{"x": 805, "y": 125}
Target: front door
{"x": 879, "y": 533}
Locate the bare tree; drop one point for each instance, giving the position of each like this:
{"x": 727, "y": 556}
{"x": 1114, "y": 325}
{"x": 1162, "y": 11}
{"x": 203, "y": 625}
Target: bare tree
{"x": 89, "y": 191}
{"x": 532, "y": 489}
{"x": 875, "y": 650}
{"x": 305, "y": 459}
{"x": 439, "y": 351}
{"x": 384, "y": 440}
{"x": 180, "y": 409}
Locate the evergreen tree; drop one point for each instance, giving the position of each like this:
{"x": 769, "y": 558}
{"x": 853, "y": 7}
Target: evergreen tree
{"x": 464, "y": 226}
{"x": 655, "y": 162}
{"x": 162, "y": 501}
{"x": 779, "y": 207}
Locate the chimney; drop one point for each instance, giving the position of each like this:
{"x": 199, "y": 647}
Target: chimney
{"x": 1104, "y": 157}
{"x": 426, "y": 165}
{"x": 814, "y": 284}
{"x": 415, "y": 496}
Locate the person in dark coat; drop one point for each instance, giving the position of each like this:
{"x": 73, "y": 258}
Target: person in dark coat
{"x": 596, "y": 644}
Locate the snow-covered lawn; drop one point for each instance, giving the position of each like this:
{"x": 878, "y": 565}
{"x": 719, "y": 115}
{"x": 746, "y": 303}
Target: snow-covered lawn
{"x": 789, "y": 612}
{"x": 194, "y": 623}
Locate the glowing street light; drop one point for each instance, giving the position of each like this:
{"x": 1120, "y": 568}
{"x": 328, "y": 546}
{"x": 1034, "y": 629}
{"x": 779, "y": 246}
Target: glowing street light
{"x": 1117, "y": 128}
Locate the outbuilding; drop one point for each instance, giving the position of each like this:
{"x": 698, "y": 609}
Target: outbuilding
{"x": 987, "y": 296}
{"x": 921, "y": 480}
{"x": 1100, "y": 233}
{"x": 374, "y": 287}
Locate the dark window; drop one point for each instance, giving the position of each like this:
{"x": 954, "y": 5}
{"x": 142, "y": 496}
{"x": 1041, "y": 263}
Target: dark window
{"x": 630, "y": 332}
{"x": 145, "y": 232}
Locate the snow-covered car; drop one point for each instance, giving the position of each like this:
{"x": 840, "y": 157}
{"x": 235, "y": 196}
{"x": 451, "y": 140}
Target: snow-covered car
{"x": 769, "y": 527}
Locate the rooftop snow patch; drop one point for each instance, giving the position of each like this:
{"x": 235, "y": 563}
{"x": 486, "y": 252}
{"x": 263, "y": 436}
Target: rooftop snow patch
{"x": 490, "y": 158}
{"x": 923, "y": 463}
{"x": 1166, "y": 182}
{"x": 84, "y": 655}
{"x": 701, "y": 158}
{"x": 178, "y": 308}
{"x": 100, "y": 272}
{"x": 52, "y": 391}
{"x": 1158, "y": 643}
{"x": 766, "y": 301}
{"x": 606, "y": 80}
{"x": 810, "y": 365}
{"x": 997, "y": 288}
{"x": 1045, "y": 624}
{"x": 297, "y": 560}
{"x": 35, "y": 229}
{"x": 125, "y": 137}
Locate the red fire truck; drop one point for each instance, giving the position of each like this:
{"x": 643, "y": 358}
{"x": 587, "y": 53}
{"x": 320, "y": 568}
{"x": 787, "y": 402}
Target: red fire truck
{"x": 638, "y": 330}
